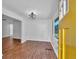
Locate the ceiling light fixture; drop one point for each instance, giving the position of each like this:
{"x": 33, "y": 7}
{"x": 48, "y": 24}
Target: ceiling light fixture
{"x": 33, "y": 14}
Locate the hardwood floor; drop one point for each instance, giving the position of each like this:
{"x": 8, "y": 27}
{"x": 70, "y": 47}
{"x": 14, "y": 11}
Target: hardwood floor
{"x": 12, "y": 49}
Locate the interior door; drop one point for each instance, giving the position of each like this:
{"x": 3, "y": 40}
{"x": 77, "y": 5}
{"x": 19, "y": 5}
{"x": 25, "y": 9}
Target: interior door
{"x": 67, "y": 32}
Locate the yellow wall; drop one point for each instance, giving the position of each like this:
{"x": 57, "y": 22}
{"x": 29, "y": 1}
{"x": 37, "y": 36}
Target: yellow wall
{"x": 69, "y": 21}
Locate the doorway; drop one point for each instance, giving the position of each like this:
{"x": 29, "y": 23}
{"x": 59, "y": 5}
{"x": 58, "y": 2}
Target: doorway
{"x": 11, "y": 33}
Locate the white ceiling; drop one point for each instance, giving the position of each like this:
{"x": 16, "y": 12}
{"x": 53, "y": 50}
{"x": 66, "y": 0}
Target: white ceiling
{"x": 45, "y": 8}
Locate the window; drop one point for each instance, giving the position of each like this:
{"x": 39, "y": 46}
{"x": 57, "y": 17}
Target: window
{"x": 56, "y": 27}
{"x": 63, "y": 8}
{"x": 66, "y": 7}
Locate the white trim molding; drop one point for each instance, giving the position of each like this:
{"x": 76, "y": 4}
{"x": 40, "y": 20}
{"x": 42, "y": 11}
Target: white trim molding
{"x": 11, "y": 14}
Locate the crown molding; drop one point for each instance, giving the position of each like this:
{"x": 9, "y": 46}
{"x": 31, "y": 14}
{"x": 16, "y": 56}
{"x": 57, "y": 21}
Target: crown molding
{"x": 11, "y": 14}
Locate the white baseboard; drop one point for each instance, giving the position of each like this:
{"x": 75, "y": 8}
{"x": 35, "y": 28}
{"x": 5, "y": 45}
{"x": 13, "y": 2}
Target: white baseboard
{"x": 5, "y": 36}
{"x": 22, "y": 41}
{"x": 56, "y": 51}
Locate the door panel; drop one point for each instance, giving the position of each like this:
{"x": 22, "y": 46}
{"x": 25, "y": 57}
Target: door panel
{"x": 60, "y": 45}
{"x": 67, "y": 37}
{"x": 64, "y": 37}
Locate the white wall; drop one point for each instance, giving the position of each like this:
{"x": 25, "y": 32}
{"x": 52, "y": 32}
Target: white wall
{"x": 5, "y": 29}
{"x": 17, "y": 29}
{"x": 37, "y": 30}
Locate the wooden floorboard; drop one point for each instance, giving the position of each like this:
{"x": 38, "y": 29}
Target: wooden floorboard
{"x": 28, "y": 50}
